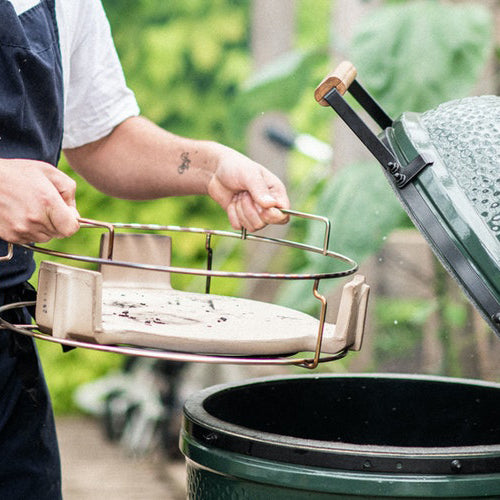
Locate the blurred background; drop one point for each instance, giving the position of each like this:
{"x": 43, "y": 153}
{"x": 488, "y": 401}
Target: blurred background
{"x": 243, "y": 73}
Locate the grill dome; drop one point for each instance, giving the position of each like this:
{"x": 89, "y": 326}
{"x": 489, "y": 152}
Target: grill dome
{"x": 466, "y": 134}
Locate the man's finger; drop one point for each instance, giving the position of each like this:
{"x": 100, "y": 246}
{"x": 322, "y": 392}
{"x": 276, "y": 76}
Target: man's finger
{"x": 249, "y": 213}
{"x": 64, "y": 219}
{"x": 232, "y": 215}
{"x": 65, "y": 185}
{"x": 274, "y": 216}
{"x": 260, "y": 192}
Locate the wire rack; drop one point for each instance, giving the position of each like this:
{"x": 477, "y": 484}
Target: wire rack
{"x": 106, "y": 258}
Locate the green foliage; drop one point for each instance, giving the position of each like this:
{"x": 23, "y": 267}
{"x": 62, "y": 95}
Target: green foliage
{"x": 414, "y": 55}
{"x": 278, "y": 86}
{"x": 287, "y": 84}
{"x": 399, "y": 325}
{"x": 184, "y": 60}
{"x": 65, "y": 372}
{"x": 313, "y": 24}
{"x": 455, "y": 315}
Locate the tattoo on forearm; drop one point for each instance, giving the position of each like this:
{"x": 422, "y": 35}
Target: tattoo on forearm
{"x": 186, "y": 162}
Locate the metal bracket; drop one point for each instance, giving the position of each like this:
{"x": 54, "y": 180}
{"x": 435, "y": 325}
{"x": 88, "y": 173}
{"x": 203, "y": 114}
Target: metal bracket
{"x": 403, "y": 175}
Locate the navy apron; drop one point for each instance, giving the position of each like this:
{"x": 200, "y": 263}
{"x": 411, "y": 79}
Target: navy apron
{"x": 31, "y": 126}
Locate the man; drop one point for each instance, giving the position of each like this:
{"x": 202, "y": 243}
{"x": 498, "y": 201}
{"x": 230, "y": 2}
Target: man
{"x": 61, "y": 85}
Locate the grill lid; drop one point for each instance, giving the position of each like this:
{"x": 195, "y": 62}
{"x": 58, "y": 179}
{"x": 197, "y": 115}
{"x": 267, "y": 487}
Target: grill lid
{"x": 444, "y": 167}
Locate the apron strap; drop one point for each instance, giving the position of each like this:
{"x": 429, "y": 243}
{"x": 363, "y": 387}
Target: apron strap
{"x": 22, "y": 347}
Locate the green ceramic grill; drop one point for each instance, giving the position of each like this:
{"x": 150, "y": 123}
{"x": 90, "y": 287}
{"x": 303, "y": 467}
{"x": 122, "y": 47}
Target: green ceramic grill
{"x": 444, "y": 166}
{"x": 357, "y": 437}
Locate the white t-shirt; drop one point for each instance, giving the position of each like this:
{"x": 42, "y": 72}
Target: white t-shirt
{"x": 96, "y": 97}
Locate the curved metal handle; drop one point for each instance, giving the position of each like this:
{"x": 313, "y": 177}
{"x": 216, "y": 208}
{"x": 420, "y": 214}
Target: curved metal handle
{"x": 10, "y": 253}
{"x": 83, "y": 223}
{"x": 340, "y": 78}
{"x": 111, "y": 229}
{"x": 200, "y": 272}
{"x": 106, "y": 225}
{"x": 304, "y": 215}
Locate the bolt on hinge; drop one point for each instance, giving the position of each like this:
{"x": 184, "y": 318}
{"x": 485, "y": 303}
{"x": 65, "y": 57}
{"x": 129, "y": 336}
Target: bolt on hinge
{"x": 402, "y": 176}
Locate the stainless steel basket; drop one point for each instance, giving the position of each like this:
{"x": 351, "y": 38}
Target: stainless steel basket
{"x": 129, "y": 306}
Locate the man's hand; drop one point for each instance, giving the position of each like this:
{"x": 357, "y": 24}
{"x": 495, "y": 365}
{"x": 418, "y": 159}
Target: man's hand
{"x": 250, "y": 194}
{"x": 37, "y": 202}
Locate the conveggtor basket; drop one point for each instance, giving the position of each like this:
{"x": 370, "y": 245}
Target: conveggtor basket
{"x": 130, "y": 306}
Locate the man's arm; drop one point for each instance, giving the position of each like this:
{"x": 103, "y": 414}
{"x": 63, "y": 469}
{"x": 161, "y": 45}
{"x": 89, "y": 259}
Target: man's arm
{"x": 139, "y": 160}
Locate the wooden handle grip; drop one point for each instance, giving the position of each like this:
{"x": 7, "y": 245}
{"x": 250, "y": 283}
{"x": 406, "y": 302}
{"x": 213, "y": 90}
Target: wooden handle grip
{"x": 340, "y": 78}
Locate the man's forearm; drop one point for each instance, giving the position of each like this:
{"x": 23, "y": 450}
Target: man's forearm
{"x": 140, "y": 161}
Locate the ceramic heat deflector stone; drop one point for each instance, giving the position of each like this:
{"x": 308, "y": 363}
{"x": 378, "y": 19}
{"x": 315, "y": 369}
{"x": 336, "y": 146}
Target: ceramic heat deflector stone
{"x": 140, "y": 308}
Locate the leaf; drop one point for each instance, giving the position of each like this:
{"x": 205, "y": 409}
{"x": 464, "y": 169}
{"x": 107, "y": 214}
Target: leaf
{"x": 363, "y": 211}
{"x": 416, "y": 55}
{"x": 278, "y": 87}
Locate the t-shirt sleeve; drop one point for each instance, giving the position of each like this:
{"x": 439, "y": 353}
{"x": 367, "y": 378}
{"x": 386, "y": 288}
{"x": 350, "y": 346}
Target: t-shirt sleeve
{"x": 97, "y": 97}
